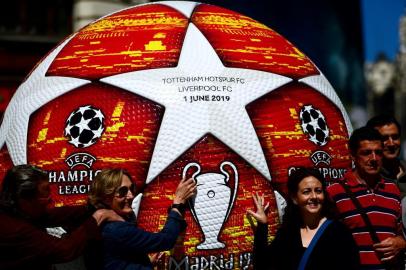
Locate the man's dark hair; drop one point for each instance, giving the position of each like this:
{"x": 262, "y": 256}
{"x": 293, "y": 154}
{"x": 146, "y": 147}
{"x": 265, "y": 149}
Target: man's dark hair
{"x": 20, "y": 182}
{"x": 382, "y": 120}
{"x": 363, "y": 134}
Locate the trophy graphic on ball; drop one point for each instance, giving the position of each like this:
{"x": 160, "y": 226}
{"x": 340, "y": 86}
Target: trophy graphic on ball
{"x": 213, "y": 202}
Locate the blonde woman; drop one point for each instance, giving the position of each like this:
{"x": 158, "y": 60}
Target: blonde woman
{"x": 125, "y": 246}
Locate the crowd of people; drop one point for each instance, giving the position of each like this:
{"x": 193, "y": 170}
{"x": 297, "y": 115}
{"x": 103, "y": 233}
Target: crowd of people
{"x": 367, "y": 204}
{"x": 106, "y": 224}
{"x": 353, "y": 223}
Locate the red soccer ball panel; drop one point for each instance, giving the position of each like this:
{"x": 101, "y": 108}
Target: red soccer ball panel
{"x": 245, "y": 43}
{"x": 138, "y": 38}
{"x": 130, "y": 128}
{"x": 277, "y": 120}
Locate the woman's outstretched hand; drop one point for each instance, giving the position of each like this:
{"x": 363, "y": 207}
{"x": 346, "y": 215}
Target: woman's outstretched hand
{"x": 260, "y": 214}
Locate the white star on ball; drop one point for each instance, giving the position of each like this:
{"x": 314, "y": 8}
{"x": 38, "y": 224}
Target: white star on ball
{"x": 201, "y": 96}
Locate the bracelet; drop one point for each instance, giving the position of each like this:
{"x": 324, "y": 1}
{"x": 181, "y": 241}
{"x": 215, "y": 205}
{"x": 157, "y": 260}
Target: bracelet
{"x": 180, "y": 206}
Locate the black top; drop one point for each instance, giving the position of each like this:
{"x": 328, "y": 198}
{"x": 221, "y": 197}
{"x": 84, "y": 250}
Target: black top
{"x": 392, "y": 176}
{"x": 335, "y": 249}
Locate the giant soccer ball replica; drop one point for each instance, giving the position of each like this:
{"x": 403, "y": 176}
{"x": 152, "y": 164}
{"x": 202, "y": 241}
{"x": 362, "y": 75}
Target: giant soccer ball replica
{"x": 179, "y": 89}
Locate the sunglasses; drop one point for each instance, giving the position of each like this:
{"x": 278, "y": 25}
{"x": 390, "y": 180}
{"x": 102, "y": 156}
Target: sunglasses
{"x": 123, "y": 191}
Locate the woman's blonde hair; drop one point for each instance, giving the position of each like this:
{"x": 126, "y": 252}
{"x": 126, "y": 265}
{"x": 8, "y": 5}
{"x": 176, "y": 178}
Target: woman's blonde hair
{"x": 104, "y": 186}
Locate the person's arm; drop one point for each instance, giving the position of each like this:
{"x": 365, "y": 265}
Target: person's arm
{"x": 392, "y": 246}
{"x": 72, "y": 245}
{"x": 71, "y": 217}
{"x": 131, "y": 239}
{"x": 34, "y": 242}
{"x": 66, "y": 216}
{"x": 261, "y": 248}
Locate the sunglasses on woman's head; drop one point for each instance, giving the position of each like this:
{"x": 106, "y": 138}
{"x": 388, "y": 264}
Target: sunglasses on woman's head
{"x": 123, "y": 191}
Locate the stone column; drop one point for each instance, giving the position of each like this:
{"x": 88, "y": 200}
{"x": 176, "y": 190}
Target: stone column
{"x": 380, "y": 81}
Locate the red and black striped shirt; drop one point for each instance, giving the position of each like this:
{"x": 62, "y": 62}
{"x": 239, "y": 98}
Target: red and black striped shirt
{"x": 381, "y": 204}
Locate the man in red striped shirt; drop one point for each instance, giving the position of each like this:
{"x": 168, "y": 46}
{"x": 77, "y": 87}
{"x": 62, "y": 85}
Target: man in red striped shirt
{"x": 378, "y": 198}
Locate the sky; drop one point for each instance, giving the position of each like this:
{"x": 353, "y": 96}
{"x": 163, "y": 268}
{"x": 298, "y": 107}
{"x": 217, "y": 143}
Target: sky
{"x": 380, "y": 19}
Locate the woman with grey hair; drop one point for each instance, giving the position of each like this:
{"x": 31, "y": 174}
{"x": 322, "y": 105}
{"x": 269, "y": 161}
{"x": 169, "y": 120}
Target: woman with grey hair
{"x": 25, "y": 215}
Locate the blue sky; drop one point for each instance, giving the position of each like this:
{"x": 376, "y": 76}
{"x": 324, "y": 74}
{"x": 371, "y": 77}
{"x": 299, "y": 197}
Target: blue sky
{"x": 380, "y": 19}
